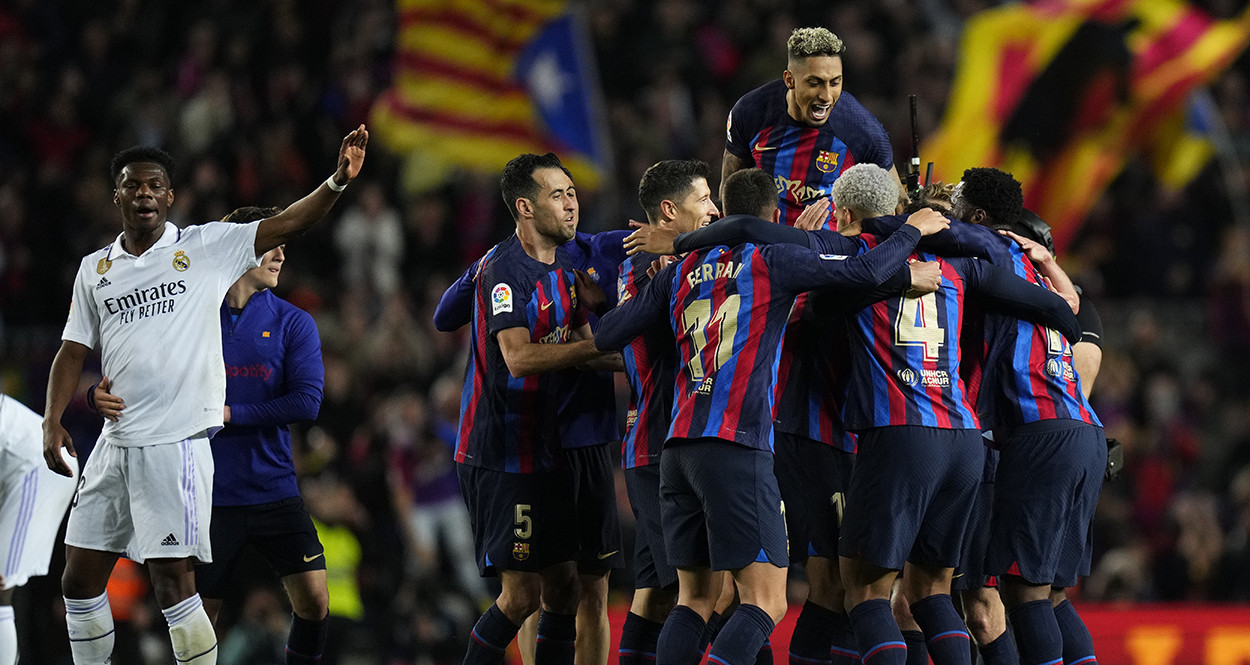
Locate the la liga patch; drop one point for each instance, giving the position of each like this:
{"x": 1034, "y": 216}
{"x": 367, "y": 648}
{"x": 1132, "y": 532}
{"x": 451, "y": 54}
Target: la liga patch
{"x": 501, "y": 299}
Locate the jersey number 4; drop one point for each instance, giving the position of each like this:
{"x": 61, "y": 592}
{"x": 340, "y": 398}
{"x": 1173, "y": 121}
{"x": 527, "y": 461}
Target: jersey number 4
{"x": 697, "y": 318}
{"x": 917, "y": 325}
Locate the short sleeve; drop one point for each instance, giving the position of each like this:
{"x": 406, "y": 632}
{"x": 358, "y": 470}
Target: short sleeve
{"x": 739, "y": 130}
{"x": 83, "y": 324}
{"x": 231, "y": 246}
{"x": 503, "y": 298}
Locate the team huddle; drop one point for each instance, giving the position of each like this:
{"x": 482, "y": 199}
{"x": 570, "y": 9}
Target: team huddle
{"x": 892, "y": 399}
{"x": 888, "y": 387}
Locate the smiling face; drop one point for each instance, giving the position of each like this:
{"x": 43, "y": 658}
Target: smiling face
{"x": 696, "y": 210}
{"x": 143, "y": 195}
{"x": 555, "y": 207}
{"x": 815, "y": 84}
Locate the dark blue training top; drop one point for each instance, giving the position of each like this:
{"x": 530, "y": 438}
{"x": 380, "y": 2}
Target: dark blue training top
{"x": 274, "y": 377}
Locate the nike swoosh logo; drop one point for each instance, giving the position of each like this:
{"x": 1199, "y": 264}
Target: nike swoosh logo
{"x": 762, "y": 148}
{"x": 604, "y": 556}
{"x": 313, "y": 557}
{"x": 544, "y": 306}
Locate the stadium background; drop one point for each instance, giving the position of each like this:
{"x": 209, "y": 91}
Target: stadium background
{"x": 252, "y": 99}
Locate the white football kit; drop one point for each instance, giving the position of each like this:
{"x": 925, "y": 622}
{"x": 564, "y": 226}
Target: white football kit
{"x": 33, "y": 499}
{"x": 146, "y": 490}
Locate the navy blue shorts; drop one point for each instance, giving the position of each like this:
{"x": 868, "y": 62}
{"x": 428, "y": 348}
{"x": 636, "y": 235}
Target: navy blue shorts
{"x": 520, "y": 521}
{"x": 590, "y": 476}
{"x": 281, "y": 531}
{"x": 911, "y": 494}
{"x": 720, "y": 506}
{"x": 813, "y": 478}
{"x": 1049, "y": 479}
{"x": 970, "y": 573}
{"x": 651, "y": 567}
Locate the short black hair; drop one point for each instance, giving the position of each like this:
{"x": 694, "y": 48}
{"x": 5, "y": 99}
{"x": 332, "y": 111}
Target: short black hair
{"x": 750, "y": 192}
{"x": 994, "y": 191}
{"x": 141, "y": 153}
{"x": 517, "y": 181}
{"x": 250, "y": 214}
{"x": 670, "y": 180}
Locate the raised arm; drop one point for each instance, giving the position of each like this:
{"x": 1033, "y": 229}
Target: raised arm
{"x": 62, "y": 382}
{"x": 301, "y": 215}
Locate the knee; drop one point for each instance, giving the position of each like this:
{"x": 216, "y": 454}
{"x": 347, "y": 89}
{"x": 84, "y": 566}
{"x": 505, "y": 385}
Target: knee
{"x": 520, "y": 599}
{"x": 313, "y": 606}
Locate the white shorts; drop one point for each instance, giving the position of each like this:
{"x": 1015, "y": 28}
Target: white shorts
{"x": 145, "y": 502}
{"x": 33, "y": 500}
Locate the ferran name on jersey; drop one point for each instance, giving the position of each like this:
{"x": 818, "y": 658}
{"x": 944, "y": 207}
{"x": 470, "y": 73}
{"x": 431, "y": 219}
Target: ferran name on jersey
{"x": 501, "y": 298}
{"x": 709, "y": 271}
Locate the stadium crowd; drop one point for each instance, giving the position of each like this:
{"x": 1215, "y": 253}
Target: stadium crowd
{"x": 251, "y": 98}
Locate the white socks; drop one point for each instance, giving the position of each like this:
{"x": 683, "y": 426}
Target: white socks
{"x": 191, "y": 632}
{"x": 8, "y": 636}
{"x": 90, "y": 624}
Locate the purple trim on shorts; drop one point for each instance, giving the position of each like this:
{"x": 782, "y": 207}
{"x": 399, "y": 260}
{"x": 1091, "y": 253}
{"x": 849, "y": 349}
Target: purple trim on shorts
{"x": 25, "y": 511}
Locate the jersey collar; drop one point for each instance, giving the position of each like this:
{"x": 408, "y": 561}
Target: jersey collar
{"x": 171, "y": 235}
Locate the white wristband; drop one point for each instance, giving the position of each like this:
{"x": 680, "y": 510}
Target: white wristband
{"x": 334, "y": 185}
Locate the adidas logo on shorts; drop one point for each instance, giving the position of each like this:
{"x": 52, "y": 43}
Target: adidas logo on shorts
{"x": 169, "y": 541}
{"x": 104, "y": 281}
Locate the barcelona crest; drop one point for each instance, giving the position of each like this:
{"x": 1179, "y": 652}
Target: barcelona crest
{"x": 827, "y": 161}
{"x": 520, "y": 551}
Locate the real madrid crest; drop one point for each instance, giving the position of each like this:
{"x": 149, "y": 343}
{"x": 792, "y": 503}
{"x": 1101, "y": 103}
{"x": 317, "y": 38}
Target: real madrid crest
{"x": 103, "y": 266}
{"x": 181, "y": 261}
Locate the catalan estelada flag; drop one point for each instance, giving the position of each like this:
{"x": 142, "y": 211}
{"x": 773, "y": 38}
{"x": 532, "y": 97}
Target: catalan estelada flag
{"x": 478, "y": 82}
{"x": 1062, "y": 93}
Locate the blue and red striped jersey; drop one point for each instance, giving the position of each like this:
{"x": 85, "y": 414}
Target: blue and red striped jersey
{"x": 727, "y": 308}
{"x": 804, "y": 160}
{"x": 509, "y": 423}
{"x": 651, "y": 367}
{"x": 1031, "y": 367}
{"x": 905, "y": 358}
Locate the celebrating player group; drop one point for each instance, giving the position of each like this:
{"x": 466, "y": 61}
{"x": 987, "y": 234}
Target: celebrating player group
{"x": 891, "y": 399}
{"x": 826, "y": 370}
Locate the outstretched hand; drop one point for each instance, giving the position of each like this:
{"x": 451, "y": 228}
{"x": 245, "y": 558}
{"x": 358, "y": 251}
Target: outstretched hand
{"x": 351, "y": 155}
{"x": 649, "y": 238}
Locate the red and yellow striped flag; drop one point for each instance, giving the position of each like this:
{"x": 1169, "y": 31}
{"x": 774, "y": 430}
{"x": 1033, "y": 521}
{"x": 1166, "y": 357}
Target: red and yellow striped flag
{"x": 478, "y": 82}
{"x": 1062, "y": 93}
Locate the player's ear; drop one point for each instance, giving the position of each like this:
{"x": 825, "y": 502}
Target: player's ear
{"x": 776, "y": 215}
{"x": 524, "y": 206}
{"x": 117, "y": 198}
{"x": 668, "y": 208}
{"x": 788, "y": 78}
{"x": 169, "y": 197}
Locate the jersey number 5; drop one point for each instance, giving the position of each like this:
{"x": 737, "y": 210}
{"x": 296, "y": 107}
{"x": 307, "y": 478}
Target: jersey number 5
{"x": 697, "y": 318}
{"x": 917, "y": 325}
